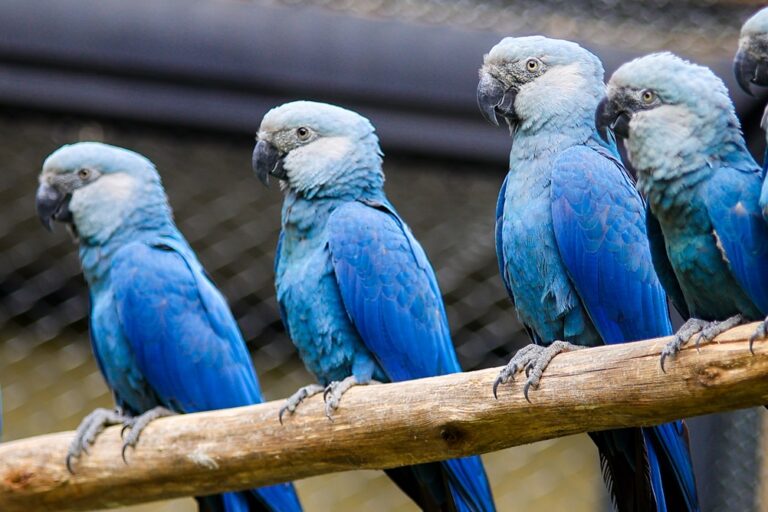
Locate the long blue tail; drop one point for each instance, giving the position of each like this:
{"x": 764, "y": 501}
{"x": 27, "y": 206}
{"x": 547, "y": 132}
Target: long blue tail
{"x": 648, "y": 469}
{"x": 469, "y": 485}
{"x": 274, "y": 498}
{"x": 671, "y": 467}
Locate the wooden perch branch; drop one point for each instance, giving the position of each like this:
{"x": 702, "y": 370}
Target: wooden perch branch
{"x": 386, "y": 425}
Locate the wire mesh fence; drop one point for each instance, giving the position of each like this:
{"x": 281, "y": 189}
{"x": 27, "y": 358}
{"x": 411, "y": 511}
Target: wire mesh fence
{"x": 49, "y": 377}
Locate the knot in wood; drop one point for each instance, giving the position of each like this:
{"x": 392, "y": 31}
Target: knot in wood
{"x": 18, "y": 478}
{"x": 709, "y": 375}
{"x": 452, "y": 434}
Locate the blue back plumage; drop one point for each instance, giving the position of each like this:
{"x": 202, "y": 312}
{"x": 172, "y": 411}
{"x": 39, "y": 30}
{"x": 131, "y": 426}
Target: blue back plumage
{"x": 599, "y": 224}
{"x": 703, "y": 187}
{"x": 183, "y": 336}
{"x": 731, "y": 198}
{"x": 390, "y": 291}
{"x": 391, "y": 295}
{"x": 572, "y": 245}
{"x": 162, "y": 333}
{"x": 356, "y": 290}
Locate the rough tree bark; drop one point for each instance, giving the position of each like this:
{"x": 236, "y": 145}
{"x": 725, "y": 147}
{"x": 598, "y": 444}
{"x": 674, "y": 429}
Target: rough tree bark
{"x": 386, "y": 425}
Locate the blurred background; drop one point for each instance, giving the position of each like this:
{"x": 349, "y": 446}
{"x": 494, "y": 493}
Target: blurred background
{"x": 186, "y": 82}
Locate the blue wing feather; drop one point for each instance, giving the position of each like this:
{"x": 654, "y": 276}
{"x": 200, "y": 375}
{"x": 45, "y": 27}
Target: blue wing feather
{"x": 599, "y": 223}
{"x": 184, "y": 338}
{"x": 185, "y": 341}
{"x": 391, "y": 294}
{"x": 732, "y": 203}
{"x": 499, "y": 240}
{"x": 600, "y": 227}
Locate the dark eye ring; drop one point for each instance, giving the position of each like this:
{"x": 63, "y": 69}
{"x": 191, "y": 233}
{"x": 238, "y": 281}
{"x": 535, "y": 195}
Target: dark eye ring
{"x": 84, "y": 174}
{"x": 302, "y": 132}
{"x": 532, "y": 65}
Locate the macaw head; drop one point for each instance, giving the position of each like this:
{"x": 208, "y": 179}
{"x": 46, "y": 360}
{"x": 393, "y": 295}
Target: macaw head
{"x": 751, "y": 62}
{"x": 675, "y": 115}
{"x": 318, "y": 150}
{"x": 96, "y": 188}
{"x": 532, "y": 82}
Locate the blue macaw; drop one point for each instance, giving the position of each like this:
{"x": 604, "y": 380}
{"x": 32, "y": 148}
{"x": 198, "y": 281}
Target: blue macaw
{"x": 703, "y": 190}
{"x": 751, "y": 67}
{"x": 751, "y": 62}
{"x": 356, "y": 291}
{"x": 163, "y": 335}
{"x": 572, "y": 250}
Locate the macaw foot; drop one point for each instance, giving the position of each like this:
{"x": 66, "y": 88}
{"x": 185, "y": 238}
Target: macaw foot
{"x": 690, "y": 327}
{"x": 136, "y": 426}
{"x": 762, "y": 330}
{"x": 519, "y": 362}
{"x": 89, "y": 429}
{"x": 713, "y": 330}
{"x": 299, "y": 396}
{"x": 534, "y": 359}
{"x": 707, "y": 331}
{"x": 334, "y": 391}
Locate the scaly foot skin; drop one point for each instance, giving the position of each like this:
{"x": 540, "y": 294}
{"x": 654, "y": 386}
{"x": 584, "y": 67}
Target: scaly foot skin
{"x": 299, "y": 396}
{"x": 534, "y": 359}
{"x": 762, "y": 330}
{"x": 334, "y": 391}
{"x": 707, "y": 331}
{"x": 519, "y": 361}
{"x": 89, "y": 429}
{"x": 690, "y": 327}
{"x": 535, "y": 368}
{"x": 713, "y": 330}
{"x": 136, "y": 426}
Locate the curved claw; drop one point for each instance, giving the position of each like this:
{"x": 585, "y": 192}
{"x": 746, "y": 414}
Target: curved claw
{"x": 327, "y": 391}
{"x": 760, "y": 333}
{"x": 69, "y": 464}
{"x": 280, "y": 414}
{"x": 529, "y": 367}
{"x": 499, "y": 380}
{"x": 663, "y": 358}
{"x": 525, "y": 391}
{"x": 125, "y": 447}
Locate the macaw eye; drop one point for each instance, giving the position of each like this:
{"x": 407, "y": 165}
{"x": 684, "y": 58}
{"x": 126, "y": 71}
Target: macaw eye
{"x": 648, "y": 96}
{"x": 302, "y": 133}
{"x": 532, "y": 65}
{"x": 84, "y": 174}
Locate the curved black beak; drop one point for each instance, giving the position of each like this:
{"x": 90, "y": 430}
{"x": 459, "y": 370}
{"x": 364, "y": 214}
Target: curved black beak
{"x": 745, "y": 68}
{"x": 607, "y": 118}
{"x": 52, "y": 205}
{"x": 750, "y": 67}
{"x": 493, "y": 99}
{"x": 267, "y": 160}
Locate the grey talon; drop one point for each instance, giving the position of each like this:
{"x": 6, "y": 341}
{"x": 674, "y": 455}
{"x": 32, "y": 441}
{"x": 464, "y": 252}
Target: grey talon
{"x": 297, "y": 398}
{"x": 88, "y": 430}
{"x": 139, "y": 423}
{"x": 336, "y": 389}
